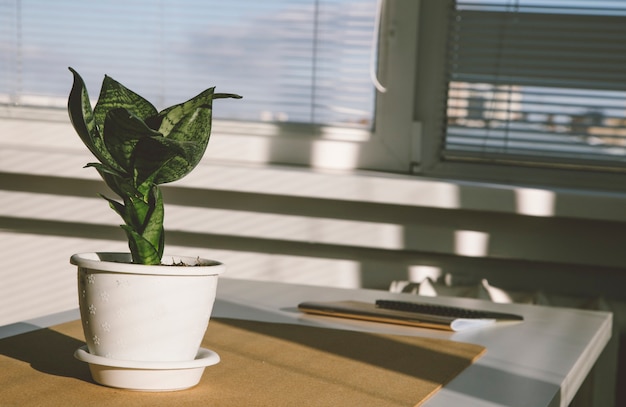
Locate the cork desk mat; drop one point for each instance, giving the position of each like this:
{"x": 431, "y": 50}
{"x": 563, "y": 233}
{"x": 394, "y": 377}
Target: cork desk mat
{"x": 262, "y": 364}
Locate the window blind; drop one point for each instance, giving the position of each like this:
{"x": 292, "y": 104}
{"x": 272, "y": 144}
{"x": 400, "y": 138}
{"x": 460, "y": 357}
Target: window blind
{"x": 302, "y": 61}
{"x": 537, "y": 81}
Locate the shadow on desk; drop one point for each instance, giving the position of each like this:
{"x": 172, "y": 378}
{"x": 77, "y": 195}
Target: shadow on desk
{"x": 432, "y": 360}
{"x": 46, "y": 351}
{"x": 270, "y": 364}
{"x": 481, "y": 384}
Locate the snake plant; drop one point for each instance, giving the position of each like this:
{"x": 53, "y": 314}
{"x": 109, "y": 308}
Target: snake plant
{"x": 138, "y": 148}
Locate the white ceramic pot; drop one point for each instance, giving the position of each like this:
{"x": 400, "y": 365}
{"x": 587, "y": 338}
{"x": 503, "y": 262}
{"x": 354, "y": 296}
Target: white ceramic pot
{"x": 137, "y": 312}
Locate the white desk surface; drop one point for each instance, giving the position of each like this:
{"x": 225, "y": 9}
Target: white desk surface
{"x": 541, "y": 361}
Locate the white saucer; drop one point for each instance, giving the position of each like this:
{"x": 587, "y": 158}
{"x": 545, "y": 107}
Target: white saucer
{"x": 147, "y": 376}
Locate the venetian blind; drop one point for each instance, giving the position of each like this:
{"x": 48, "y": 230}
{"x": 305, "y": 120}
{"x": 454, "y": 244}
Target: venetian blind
{"x": 537, "y": 81}
{"x": 293, "y": 60}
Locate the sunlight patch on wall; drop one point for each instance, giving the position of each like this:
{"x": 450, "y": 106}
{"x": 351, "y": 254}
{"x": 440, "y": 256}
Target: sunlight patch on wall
{"x": 56, "y": 207}
{"x": 285, "y": 227}
{"x": 35, "y": 162}
{"x": 471, "y": 243}
{"x": 334, "y": 155}
{"x": 302, "y": 270}
{"x": 421, "y": 272}
{"x": 43, "y": 147}
{"x": 411, "y": 191}
{"x": 280, "y": 268}
{"x": 345, "y": 133}
{"x": 535, "y": 202}
{"x": 37, "y": 278}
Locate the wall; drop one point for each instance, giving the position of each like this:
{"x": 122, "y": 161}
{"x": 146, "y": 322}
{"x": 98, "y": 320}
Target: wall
{"x": 304, "y": 226}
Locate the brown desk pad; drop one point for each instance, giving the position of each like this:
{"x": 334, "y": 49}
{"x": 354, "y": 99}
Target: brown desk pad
{"x": 262, "y": 364}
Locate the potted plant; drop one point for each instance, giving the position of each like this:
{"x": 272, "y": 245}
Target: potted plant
{"x": 144, "y": 314}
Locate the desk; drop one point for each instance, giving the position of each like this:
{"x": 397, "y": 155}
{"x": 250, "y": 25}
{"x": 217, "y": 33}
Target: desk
{"x": 539, "y": 362}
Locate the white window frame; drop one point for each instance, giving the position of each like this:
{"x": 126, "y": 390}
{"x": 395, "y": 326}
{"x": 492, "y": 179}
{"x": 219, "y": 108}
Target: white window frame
{"x": 388, "y": 147}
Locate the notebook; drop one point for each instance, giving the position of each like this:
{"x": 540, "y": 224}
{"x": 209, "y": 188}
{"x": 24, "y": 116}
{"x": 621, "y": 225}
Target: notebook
{"x": 409, "y": 313}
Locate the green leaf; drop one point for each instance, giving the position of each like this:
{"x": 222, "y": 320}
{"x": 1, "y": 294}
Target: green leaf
{"x": 188, "y": 123}
{"x": 192, "y": 133}
{"x": 168, "y": 118}
{"x": 83, "y": 121}
{"x": 153, "y": 224}
{"x": 155, "y": 153}
{"x": 145, "y": 231}
{"x": 142, "y": 251}
{"x": 79, "y": 109}
{"x": 139, "y": 211}
{"x": 114, "y": 95}
{"x": 120, "y": 184}
{"x": 123, "y": 130}
{"x": 226, "y": 96}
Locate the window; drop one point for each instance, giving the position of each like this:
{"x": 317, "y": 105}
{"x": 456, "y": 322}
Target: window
{"x": 531, "y": 85}
{"x": 301, "y": 65}
{"x": 298, "y": 61}
{"x": 473, "y": 89}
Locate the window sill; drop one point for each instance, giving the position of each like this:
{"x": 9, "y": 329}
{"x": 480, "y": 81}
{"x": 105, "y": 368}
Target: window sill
{"x": 409, "y": 190}
{"x": 50, "y": 148}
